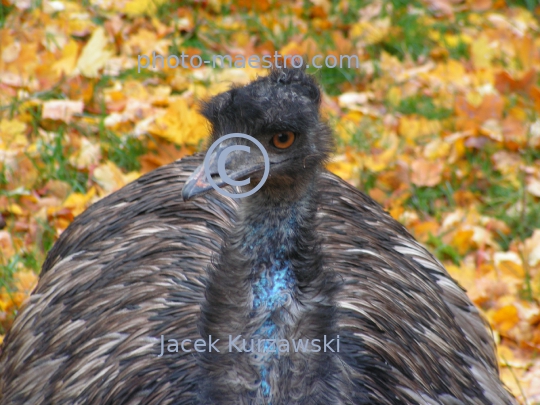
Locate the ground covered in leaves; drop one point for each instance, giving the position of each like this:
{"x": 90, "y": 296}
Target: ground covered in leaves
{"x": 440, "y": 123}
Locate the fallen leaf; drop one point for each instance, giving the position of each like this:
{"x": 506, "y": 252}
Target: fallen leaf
{"x": 482, "y": 52}
{"x": 412, "y": 128}
{"x": 533, "y": 187}
{"x": 164, "y": 153}
{"x": 88, "y": 155}
{"x": 62, "y": 110}
{"x": 532, "y": 248}
{"x": 463, "y": 240}
{"x": 480, "y": 5}
{"x": 180, "y": 124}
{"x": 352, "y": 99}
{"x": 67, "y": 63}
{"x": 78, "y": 202}
{"x": 426, "y": 173}
{"x": 110, "y": 177}
{"x": 6, "y": 247}
{"x": 12, "y": 134}
{"x": 505, "y": 318}
{"x": 441, "y": 8}
{"x": 94, "y": 54}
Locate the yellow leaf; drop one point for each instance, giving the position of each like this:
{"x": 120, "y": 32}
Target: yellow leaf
{"x": 141, "y": 7}
{"x": 25, "y": 281}
{"x": 462, "y": 240}
{"x": 88, "y": 155}
{"x": 348, "y": 125}
{"x": 505, "y": 318}
{"x": 482, "y": 52}
{"x": 513, "y": 380}
{"x": 180, "y": 124}
{"x": 147, "y": 42}
{"x": 111, "y": 178}
{"x": 451, "y": 40}
{"x": 396, "y": 212}
{"x": 452, "y": 72}
{"x": 78, "y": 202}
{"x": 437, "y": 149}
{"x": 343, "y": 169}
{"x": 474, "y": 98}
{"x": 463, "y": 274}
{"x": 12, "y": 134}
{"x": 68, "y": 60}
{"x": 14, "y": 209}
{"x": 371, "y": 32}
{"x": 394, "y": 96}
{"x": 412, "y": 127}
{"x": 95, "y": 54}
{"x": 379, "y": 162}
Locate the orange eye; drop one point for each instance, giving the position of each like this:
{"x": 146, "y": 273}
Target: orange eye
{"x": 283, "y": 140}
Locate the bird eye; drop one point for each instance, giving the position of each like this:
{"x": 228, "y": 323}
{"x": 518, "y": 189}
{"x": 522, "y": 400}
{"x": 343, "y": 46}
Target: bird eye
{"x": 283, "y": 140}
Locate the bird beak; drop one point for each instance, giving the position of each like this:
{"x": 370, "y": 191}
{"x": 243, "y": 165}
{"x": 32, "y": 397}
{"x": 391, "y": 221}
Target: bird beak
{"x": 239, "y": 164}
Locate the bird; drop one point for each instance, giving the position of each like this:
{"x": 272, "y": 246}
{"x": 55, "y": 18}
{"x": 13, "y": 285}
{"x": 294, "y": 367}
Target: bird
{"x": 305, "y": 292}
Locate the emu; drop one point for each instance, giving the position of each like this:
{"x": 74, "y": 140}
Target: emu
{"x": 307, "y": 257}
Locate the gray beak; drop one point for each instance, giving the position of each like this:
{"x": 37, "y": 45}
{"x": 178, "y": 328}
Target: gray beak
{"x": 238, "y": 164}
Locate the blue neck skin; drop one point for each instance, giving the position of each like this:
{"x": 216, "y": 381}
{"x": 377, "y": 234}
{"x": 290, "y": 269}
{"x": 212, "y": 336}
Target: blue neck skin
{"x": 273, "y": 283}
{"x": 269, "y": 284}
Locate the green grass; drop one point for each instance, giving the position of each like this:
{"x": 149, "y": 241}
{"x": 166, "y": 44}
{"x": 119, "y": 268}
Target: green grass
{"x": 499, "y": 198}
{"x": 422, "y": 105}
{"x": 7, "y": 271}
{"x": 443, "y": 251}
{"x": 368, "y": 180}
{"x": 432, "y": 201}
{"x": 350, "y": 16}
{"x": 55, "y": 157}
{"x": 409, "y": 36}
{"x": 529, "y": 4}
{"x": 4, "y": 12}
{"x": 332, "y": 79}
{"x": 123, "y": 151}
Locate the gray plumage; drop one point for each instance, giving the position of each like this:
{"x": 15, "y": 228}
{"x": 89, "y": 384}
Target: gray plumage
{"x": 142, "y": 263}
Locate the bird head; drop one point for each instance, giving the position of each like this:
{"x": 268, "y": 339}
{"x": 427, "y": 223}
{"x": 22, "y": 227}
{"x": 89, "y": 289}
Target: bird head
{"x": 281, "y": 111}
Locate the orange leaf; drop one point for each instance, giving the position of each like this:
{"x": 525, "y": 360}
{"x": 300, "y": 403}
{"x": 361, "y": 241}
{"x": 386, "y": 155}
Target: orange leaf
{"x": 470, "y": 117}
{"x": 423, "y": 230}
{"x": 506, "y": 318}
{"x": 480, "y": 5}
{"x": 426, "y": 173}
{"x": 462, "y": 240}
{"x": 6, "y": 247}
{"x": 504, "y": 82}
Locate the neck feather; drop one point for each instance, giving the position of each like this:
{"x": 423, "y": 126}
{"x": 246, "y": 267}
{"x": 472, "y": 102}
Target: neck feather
{"x": 269, "y": 283}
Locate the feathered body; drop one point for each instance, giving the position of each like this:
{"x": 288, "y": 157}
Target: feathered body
{"x": 305, "y": 257}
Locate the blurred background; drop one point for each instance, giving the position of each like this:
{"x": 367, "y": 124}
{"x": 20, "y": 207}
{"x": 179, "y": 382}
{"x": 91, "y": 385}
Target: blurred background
{"x": 439, "y": 123}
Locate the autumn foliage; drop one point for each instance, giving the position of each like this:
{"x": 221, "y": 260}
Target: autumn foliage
{"x": 440, "y": 123}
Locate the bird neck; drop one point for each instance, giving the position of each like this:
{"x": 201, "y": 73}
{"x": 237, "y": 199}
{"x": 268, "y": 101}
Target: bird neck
{"x": 269, "y": 283}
